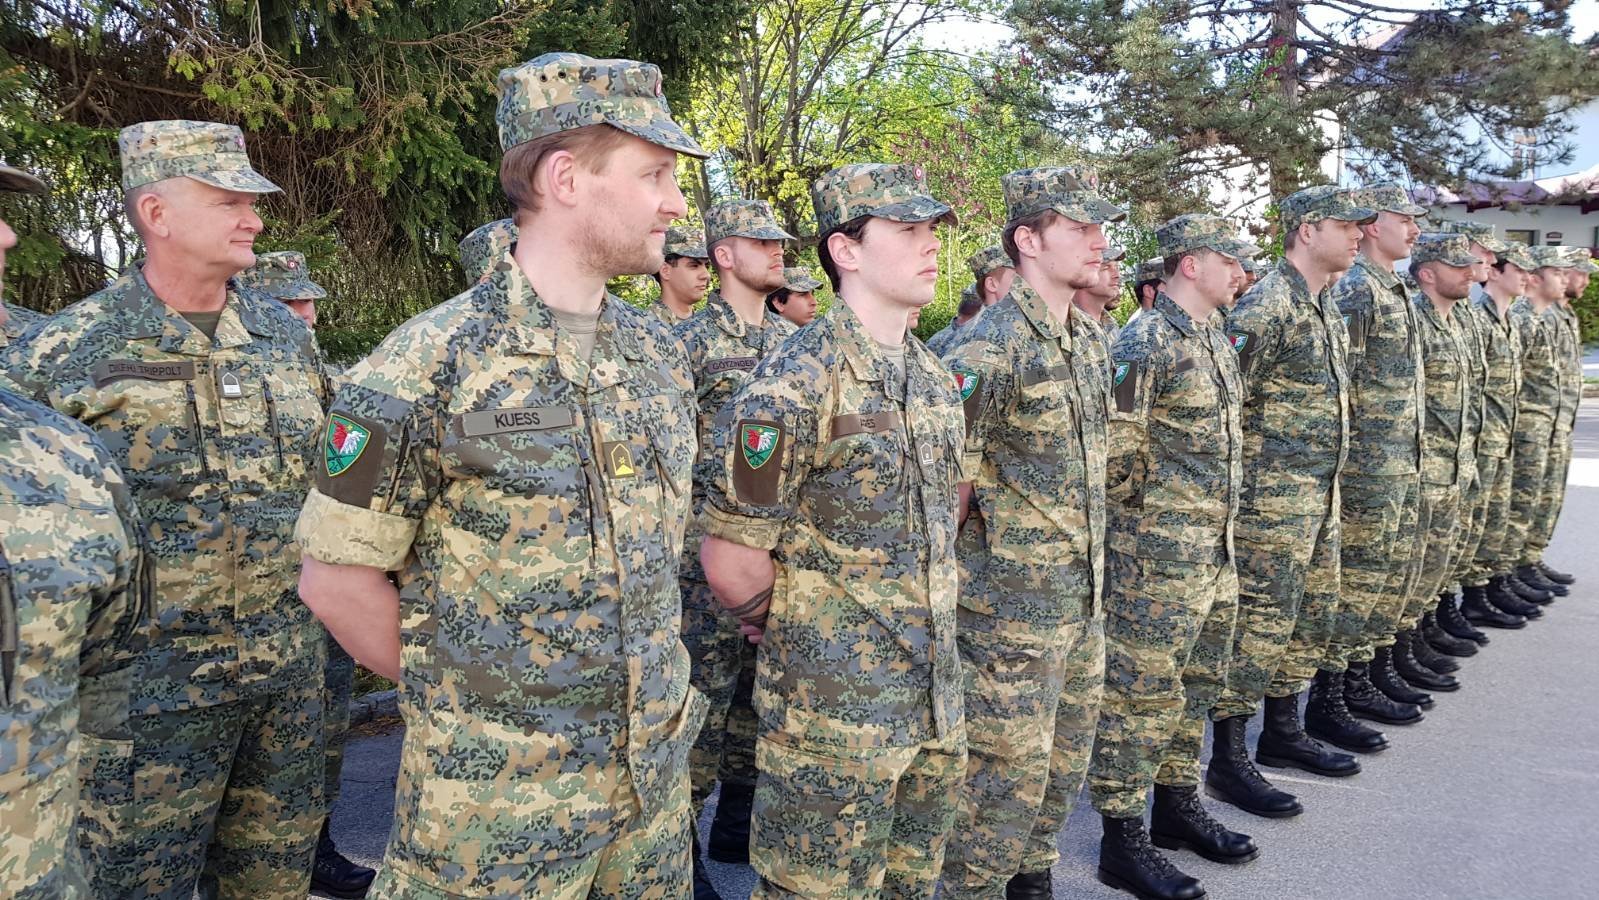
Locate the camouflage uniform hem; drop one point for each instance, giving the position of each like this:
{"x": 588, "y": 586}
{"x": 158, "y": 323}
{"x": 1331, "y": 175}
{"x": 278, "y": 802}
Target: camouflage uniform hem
{"x": 748, "y": 531}
{"x": 344, "y": 535}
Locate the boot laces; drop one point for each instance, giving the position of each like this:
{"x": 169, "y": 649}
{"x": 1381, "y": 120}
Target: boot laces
{"x": 1195, "y": 813}
{"x": 1147, "y": 856}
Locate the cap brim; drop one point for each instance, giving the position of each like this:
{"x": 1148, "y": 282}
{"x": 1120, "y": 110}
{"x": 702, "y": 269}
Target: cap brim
{"x": 20, "y": 182}
{"x": 1493, "y": 244}
{"x": 245, "y": 181}
{"x": 1237, "y": 249}
{"x": 665, "y": 133}
{"x": 1359, "y": 215}
{"x": 1406, "y": 209}
{"x": 764, "y": 233}
{"x": 916, "y": 209}
{"x": 1094, "y": 211}
{"x": 803, "y": 287}
{"x": 305, "y": 289}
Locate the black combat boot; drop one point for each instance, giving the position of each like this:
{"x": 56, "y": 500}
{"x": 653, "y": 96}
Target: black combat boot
{"x": 1029, "y": 886}
{"x": 729, "y": 840}
{"x": 1477, "y": 609}
{"x": 1452, "y": 621}
{"x": 1429, "y": 657}
{"x": 1364, "y": 700}
{"x": 1385, "y": 679}
{"x": 1554, "y": 576}
{"x": 1528, "y": 592}
{"x": 1327, "y": 718}
{"x": 1414, "y": 672}
{"x": 1532, "y": 577}
{"x": 1284, "y": 744}
{"x": 334, "y": 874}
{"x": 1441, "y": 640}
{"x": 1232, "y": 778}
{"x": 1181, "y": 822}
{"x": 1129, "y": 862}
{"x": 1503, "y": 598}
{"x": 703, "y": 889}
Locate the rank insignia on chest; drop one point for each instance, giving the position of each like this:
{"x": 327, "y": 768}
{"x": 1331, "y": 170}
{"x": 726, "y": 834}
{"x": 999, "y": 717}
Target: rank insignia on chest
{"x": 757, "y": 443}
{"x": 230, "y": 386}
{"x": 346, "y": 441}
{"x": 966, "y": 382}
{"x": 619, "y": 460}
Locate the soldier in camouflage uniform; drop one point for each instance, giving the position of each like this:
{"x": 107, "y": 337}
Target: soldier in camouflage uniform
{"x": 209, "y": 395}
{"x": 1506, "y": 281}
{"x": 483, "y": 248}
{"x": 966, "y": 312}
{"x": 684, "y": 276}
{"x": 1538, "y": 409}
{"x": 831, "y": 532}
{"x": 1567, "y": 332}
{"x": 1034, "y": 380}
{"x": 285, "y": 277}
{"x": 1171, "y": 590}
{"x": 1443, "y": 267}
{"x": 993, "y": 272}
{"x": 796, "y": 299}
{"x": 74, "y": 602}
{"x": 1147, "y": 282}
{"x": 1380, "y": 488}
{"x": 1105, "y": 295}
{"x": 537, "y": 422}
{"x": 1291, "y": 346}
{"x": 725, "y": 342}
{"x": 14, "y": 320}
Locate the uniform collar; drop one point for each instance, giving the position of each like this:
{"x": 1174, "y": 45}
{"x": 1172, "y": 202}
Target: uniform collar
{"x": 146, "y": 316}
{"x": 532, "y": 330}
{"x": 1176, "y": 315}
{"x": 859, "y": 350}
{"x": 1384, "y": 275}
{"x": 1037, "y": 312}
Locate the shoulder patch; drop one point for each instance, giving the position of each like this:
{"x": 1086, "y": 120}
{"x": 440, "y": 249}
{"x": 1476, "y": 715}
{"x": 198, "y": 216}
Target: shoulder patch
{"x": 352, "y": 457}
{"x": 1124, "y": 385}
{"x": 968, "y": 383}
{"x": 755, "y": 472}
{"x": 1244, "y": 344}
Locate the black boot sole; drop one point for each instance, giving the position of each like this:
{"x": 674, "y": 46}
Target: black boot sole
{"x": 1488, "y": 623}
{"x": 1286, "y": 762}
{"x": 1173, "y": 842}
{"x": 1449, "y": 666}
{"x": 1374, "y": 716}
{"x": 1457, "y": 651}
{"x": 1437, "y": 687}
{"x": 1218, "y": 794}
{"x": 1111, "y": 879}
{"x": 1326, "y": 738}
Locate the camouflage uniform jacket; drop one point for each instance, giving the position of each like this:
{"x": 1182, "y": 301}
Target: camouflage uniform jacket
{"x": 1176, "y": 439}
{"x": 1502, "y": 379}
{"x": 661, "y": 312}
{"x": 1565, "y": 330}
{"x": 532, "y": 504}
{"x": 1385, "y": 370}
{"x": 1111, "y": 327}
{"x": 18, "y": 320}
{"x": 859, "y": 511}
{"x": 1036, "y": 398}
{"x": 1447, "y": 456}
{"x": 722, "y": 352}
{"x": 949, "y": 336}
{"x": 1474, "y": 343}
{"x": 1540, "y": 366}
{"x": 214, "y": 438}
{"x": 74, "y": 599}
{"x": 1292, "y": 350}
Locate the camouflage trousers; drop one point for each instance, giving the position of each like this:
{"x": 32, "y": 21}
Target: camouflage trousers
{"x": 1489, "y": 559}
{"x": 1168, "y": 638}
{"x": 1076, "y": 720}
{"x": 1288, "y": 589}
{"x": 1553, "y": 496}
{"x": 337, "y": 684}
{"x": 1534, "y": 435}
{"x": 1372, "y": 513}
{"x": 1409, "y": 550}
{"x": 226, "y": 799}
{"x": 1474, "y": 519}
{"x": 1013, "y": 674}
{"x": 1440, "y": 526}
{"x": 840, "y": 823}
{"x": 723, "y": 669}
{"x": 648, "y": 860}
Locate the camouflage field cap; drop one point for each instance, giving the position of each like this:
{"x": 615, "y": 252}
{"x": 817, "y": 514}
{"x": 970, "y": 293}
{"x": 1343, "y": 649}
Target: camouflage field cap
{"x": 1249, "y": 265}
{"x": 209, "y": 152}
{"x": 799, "y": 280}
{"x": 1449, "y": 249}
{"x": 282, "y": 275}
{"x": 743, "y": 218}
{"x": 1323, "y": 201}
{"x": 683, "y": 240}
{"x": 18, "y": 181}
{"x": 1581, "y": 260}
{"x": 1153, "y": 269}
{"x": 1388, "y": 197}
{"x": 1187, "y": 233}
{"x": 894, "y": 192}
{"x": 968, "y": 294}
{"x": 558, "y": 92}
{"x": 1029, "y": 191}
{"x": 1481, "y": 232}
{"x": 1113, "y": 253}
{"x": 484, "y": 246}
{"x": 1518, "y": 254}
{"x": 1551, "y": 258}
{"x": 987, "y": 260}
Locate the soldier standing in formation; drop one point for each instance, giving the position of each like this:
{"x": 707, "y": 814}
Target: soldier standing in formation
{"x": 795, "y": 301}
{"x": 1171, "y": 589}
{"x": 969, "y": 309}
{"x": 684, "y": 277}
{"x": 830, "y": 534}
{"x": 1033, "y": 381}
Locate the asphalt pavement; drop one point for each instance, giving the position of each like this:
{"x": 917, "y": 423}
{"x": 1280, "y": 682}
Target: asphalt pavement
{"x": 1495, "y": 795}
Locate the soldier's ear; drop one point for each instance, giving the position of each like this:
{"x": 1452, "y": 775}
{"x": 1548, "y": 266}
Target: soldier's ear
{"x": 846, "y": 253}
{"x": 559, "y": 170}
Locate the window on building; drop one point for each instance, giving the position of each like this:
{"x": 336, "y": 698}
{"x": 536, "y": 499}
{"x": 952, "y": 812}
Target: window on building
{"x": 1527, "y": 236}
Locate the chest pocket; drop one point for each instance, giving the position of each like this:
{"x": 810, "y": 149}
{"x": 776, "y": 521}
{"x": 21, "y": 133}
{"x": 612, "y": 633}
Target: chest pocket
{"x": 856, "y": 491}
{"x": 269, "y": 412}
{"x": 147, "y": 413}
{"x": 646, "y": 455}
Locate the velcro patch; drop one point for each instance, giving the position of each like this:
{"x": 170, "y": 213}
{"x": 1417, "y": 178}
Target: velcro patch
{"x": 1357, "y": 324}
{"x": 485, "y": 422}
{"x": 731, "y": 363}
{"x": 758, "y": 462}
{"x": 352, "y": 458}
{"x": 865, "y": 423}
{"x": 107, "y": 371}
{"x": 969, "y": 383}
